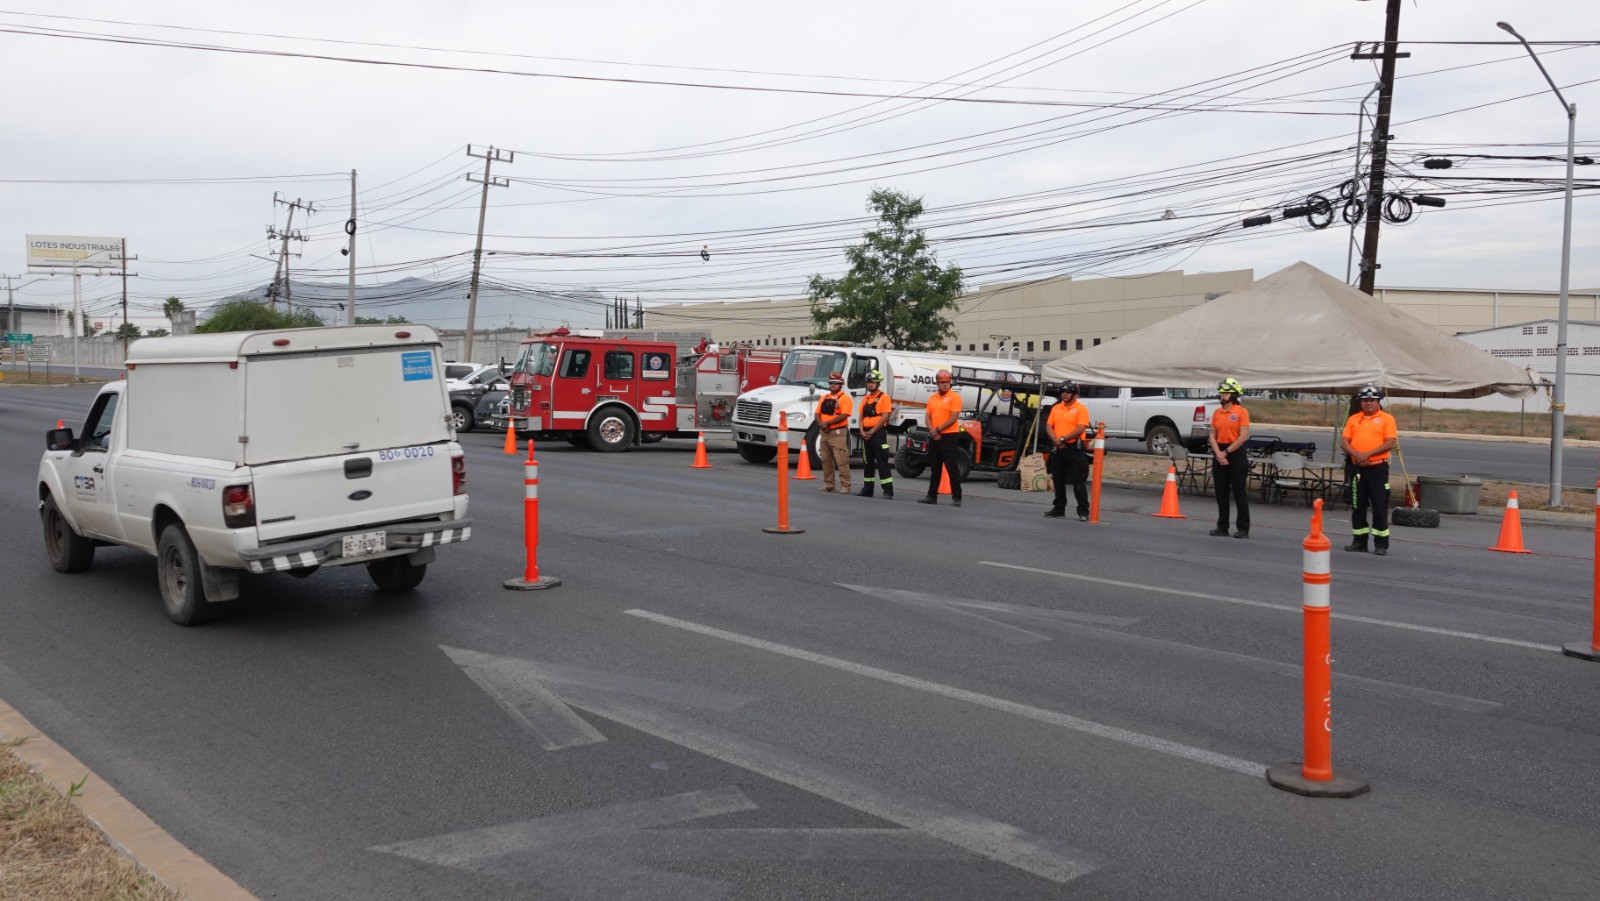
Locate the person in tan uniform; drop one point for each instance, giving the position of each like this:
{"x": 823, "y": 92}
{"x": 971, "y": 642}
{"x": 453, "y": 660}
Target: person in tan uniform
{"x": 833, "y": 434}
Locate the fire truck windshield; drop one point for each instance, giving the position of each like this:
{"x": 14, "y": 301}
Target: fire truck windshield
{"x": 810, "y": 367}
{"x": 537, "y": 359}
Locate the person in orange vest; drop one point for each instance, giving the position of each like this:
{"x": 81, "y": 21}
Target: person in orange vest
{"x": 944, "y": 408}
{"x": 1367, "y": 439}
{"x": 1067, "y": 427}
{"x": 876, "y": 406}
{"x": 833, "y": 434}
{"x": 1230, "y": 465}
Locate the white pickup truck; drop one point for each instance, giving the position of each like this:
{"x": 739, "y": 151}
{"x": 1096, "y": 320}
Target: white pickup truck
{"x": 261, "y": 452}
{"x": 1151, "y": 415}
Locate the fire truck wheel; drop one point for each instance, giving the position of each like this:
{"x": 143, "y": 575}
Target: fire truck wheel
{"x": 610, "y": 430}
{"x": 652, "y": 437}
{"x": 905, "y": 466}
{"x": 754, "y": 453}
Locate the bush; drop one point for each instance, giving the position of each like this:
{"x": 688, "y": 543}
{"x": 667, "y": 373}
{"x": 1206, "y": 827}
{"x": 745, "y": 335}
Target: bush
{"x": 253, "y": 315}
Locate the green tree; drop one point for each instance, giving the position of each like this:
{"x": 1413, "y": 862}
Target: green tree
{"x": 157, "y": 333}
{"x": 128, "y": 330}
{"x": 172, "y": 307}
{"x": 253, "y": 315}
{"x": 895, "y": 291}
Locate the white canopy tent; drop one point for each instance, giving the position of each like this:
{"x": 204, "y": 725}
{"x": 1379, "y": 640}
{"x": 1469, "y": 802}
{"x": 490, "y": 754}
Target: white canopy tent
{"x": 1297, "y": 329}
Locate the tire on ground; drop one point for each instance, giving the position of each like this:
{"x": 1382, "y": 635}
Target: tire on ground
{"x": 462, "y": 416}
{"x": 178, "y": 571}
{"x": 394, "y": 574}
{"x": 1159, "y": 439}
{"x": 68, "y": 551}
{"x": 611, "y": 430}
{"x": 1415, "y": 517}
{"x": 1009, "y": 479}
{"x": 905, "y": 466}
{"x": 757, "y": 453}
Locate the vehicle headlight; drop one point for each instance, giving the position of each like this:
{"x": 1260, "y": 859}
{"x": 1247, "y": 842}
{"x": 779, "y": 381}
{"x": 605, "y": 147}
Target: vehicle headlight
{"x": 798, "y": 415}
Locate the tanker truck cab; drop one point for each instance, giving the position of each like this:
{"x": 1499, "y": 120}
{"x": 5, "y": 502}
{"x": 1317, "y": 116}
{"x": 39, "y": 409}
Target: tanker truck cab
{"x": 262, "y": 452}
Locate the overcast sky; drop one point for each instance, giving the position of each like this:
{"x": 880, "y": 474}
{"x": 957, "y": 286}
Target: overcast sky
{"x": 1046, "y": 139}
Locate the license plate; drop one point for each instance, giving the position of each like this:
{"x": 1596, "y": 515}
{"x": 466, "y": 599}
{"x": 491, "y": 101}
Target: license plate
{"x": 365, "y": 543}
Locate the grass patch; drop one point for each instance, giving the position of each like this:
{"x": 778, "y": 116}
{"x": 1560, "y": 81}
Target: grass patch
{"x": 40, "y": 377}
{"x": 1327, "y": 414}
{"x": 50, "y": 851}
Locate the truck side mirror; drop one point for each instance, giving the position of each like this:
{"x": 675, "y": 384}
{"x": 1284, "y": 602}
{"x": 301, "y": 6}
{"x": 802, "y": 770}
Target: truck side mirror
{"x": 60, "y": 440}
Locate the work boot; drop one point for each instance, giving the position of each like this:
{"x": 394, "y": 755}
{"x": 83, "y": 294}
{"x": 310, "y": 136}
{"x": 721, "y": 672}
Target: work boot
{"x": 927, "y": 500}
{"x": 1381, "y": 547}
{"x": 1357, "y": 543}
{"x": 866, "y": 491}
{"x": 1055, "y": 514}
{"x": 888, "y": 492}
{"x": 1220, "y": 532}
{"x": 955, "y": 502}
{"x": 1242, "y": 533}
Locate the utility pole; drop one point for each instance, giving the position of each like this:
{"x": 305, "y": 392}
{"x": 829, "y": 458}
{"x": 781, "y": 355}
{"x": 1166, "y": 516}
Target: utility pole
{"x": 287, "y": 235}
{"x": 489, "y": 157}
{"x": 350, "y": 230}
{"x": 1380, "y": 142}
{"x": 124, "y": 258}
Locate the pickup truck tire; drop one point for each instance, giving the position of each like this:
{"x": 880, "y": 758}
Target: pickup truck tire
{"x": 1159, "y": 439}
{"x": 462, "y": 416}
{"x": 610, "y": 430}
{"x": 395, "y": 574}
{"x": 183, "y": 590}
{"x": 69, "y": 552}
{"x": 755, "y": 453}
{"x": 906, "y": 467}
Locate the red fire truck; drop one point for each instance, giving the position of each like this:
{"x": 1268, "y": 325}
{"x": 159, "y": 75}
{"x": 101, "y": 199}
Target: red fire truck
{"x": 609, "y": 393}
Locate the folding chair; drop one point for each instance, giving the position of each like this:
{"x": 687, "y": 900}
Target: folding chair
{"x": 1290, "y": 474}
{"x": 1193, "y": 471}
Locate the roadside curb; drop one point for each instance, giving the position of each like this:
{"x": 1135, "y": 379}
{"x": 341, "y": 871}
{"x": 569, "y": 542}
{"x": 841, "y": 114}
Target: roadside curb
{"x": 124, "y": 825}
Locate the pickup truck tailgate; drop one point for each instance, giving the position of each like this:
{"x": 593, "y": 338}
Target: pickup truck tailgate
{"x": 325, "y": 494}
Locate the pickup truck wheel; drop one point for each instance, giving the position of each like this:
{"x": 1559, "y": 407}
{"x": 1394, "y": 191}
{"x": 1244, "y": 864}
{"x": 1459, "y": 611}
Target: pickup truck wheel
{"x": 1160, "y": 439}
{"x": 183, "y": 590}
{"x": 463, "y": 418}
{"x": 392, "y": 574}
{"x": 755, "y": 453}
{"x": 610, "y": 431}
{"x": 69, "y": 552}
{"x": 905, "y": 466}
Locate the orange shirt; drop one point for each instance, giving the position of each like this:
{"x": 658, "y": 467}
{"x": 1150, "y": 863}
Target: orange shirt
{"x": 1066, "y": 417}
{"x": 1227, "y": 424}
{"x": 879, "y": 402}
{"x": 841, "y": 405}
{"x": 1367, "y": 432}
{"x": 942, "y": 407}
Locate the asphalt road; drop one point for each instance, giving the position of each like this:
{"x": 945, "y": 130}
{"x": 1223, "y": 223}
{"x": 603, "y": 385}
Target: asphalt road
{"x": 901, "y": 702}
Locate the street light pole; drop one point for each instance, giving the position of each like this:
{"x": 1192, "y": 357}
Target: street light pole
{"x": 1558, "y": 406}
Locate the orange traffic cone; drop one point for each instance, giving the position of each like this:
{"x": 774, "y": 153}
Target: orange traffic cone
{"x": 511, "y": 435}
{"x": 944, "y": 480}
{"x": 802, "y": 473}
{"x": 1511, "y": 529}
{"x": 1169, "y": 497}
{"x": 700, "y": 461}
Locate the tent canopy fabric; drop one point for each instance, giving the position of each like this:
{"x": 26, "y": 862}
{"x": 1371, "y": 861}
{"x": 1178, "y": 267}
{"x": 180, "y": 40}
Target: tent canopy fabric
{"x": 1297, "y": 329}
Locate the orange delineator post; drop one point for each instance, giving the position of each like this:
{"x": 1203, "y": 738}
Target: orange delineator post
{"x": 802, "y": 471}
{"x": 700, "y": 461}
{"x": 1099, "y": 461}
{"x": 783, "y": 482}
{"x": 511, "y": 433}
{"x": 1169, "y": 497}
{"x": 1591, "y": 651}
{"x": 1510, "y": 540}
{"x": 531, "y": 579}
{"x": 1314, "y": 776}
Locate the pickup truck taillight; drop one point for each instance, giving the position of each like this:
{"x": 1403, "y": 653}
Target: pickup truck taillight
{"x": 238, "y": 507}
{"x": 458, "y": 473}
{"x": 1200, "y": 414}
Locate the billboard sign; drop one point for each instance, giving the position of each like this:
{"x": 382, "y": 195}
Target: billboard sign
{"x": 63, "y": 251}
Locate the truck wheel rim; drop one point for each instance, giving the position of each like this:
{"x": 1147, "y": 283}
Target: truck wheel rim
{"x": 177, "y": 578}
{"x": 611, "y": 430}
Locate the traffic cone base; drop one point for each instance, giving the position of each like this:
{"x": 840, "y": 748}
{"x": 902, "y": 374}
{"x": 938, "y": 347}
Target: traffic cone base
{"x": 700, "y": 461}
{"x": 1511, "y": 529}
{"x": 802, "y": 473}
{"x": 1169, "y": 497}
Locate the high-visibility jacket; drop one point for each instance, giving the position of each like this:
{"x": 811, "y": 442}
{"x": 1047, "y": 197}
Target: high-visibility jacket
{"x": 875, "y": 408}
{"x": 834, "y": 403}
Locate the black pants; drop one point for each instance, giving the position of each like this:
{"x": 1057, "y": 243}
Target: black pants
{"x": 946, "y": 451}
{"x": 1370, "y": 488}
{"x": 1232, "y": 482}
{"x": 1070, "y": 465}
{"x": 876, "y": 458}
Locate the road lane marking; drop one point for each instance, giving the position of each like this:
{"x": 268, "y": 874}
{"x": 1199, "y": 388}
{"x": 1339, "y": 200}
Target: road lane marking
{"x": 1031, "y": 853}
{"x": 529, "y": 703}
{"x": 939, "y": 608}
{"x": 779, "y": 845}
{"x": 1157, "y": 589}
{"x": 1038, "y": 714}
